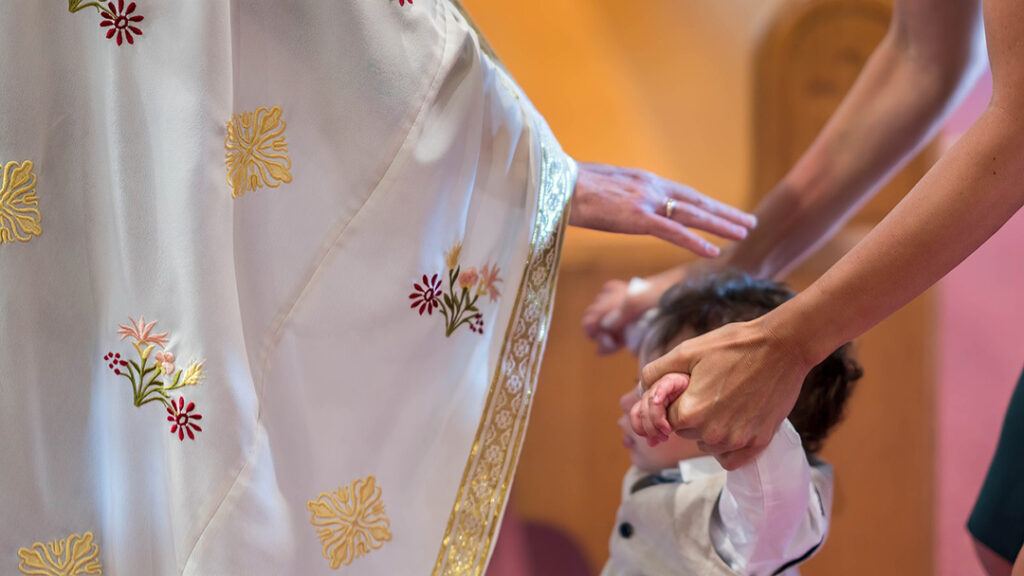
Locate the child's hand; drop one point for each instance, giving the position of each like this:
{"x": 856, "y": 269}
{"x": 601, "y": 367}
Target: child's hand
{"x": 649, "y": 416}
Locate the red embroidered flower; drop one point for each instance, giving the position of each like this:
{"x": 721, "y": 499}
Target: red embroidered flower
{"x": 114, "y": 362}
{"x": 183, "y": 417}
{"x": 120, "y": 21}
{"x": 426, "y": 296}
{"x": 402, "y": 2}
{"x": 477, "y": 323}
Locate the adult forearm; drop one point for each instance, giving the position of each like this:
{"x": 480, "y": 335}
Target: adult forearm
{"x": 895, "y": 107}
{"x": 966, "y": 197}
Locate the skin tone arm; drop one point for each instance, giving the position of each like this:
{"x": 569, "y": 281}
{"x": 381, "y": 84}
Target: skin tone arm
{"x": 745, "y": 377}
{"x": 929, "y": 59}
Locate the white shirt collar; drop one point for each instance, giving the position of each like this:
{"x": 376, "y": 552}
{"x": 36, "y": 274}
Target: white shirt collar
{"x": 700, "y": 467}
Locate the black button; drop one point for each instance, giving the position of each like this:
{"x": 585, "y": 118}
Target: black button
{"x": 626, "y": 529}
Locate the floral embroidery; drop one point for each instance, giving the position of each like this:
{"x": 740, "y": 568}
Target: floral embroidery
{"x": 73, "y": 556}
{"x": 458, "y": 308}
{"x": 19, "y": 215}
{"x": 148, "y": 384}
{"x": 182, "y": 418}
{"x": 426, "y": 296}
{"x": 257, "y": 154}
{"x": 404, "y": 2}
{"x": 119, "y": 19}
{"x": 350, "y": 521}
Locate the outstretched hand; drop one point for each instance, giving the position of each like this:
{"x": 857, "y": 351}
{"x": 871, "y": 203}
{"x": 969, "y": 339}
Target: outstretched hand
{"x": 629, "y": 201}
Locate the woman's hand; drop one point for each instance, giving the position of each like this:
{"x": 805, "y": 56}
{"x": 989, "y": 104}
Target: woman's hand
{"x": 630, "y": 201}
{"x": 743, "y": 381}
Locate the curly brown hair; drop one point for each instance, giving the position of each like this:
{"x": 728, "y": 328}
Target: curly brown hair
{"x": 713, "y": 301}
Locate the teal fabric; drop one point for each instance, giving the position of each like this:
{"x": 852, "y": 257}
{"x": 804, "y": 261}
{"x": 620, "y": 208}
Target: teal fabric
{"x": 997, "y": 520}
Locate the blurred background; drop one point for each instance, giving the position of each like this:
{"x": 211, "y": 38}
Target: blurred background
{"x": 724, "y": 96}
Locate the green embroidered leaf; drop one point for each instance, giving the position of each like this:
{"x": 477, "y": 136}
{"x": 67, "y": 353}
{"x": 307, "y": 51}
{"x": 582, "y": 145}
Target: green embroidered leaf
{"x": 136, "y": 366}
{"x": 76, "y": 5}
{"x": 448, "y": 302}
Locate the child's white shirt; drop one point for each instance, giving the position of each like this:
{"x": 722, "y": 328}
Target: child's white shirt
{"x": 761, "y": 519}
{"x": 770, "y": 512}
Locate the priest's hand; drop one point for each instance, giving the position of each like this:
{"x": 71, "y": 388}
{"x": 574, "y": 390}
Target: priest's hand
{"x": 629, "y": 201}
{"x": 743, "y": 381}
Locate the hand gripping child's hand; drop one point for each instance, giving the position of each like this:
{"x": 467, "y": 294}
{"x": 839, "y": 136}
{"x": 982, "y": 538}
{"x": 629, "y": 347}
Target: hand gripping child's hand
{"x": 649, "y": 416}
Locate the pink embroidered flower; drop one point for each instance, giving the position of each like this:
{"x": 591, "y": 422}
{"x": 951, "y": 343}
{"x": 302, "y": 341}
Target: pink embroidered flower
{"x": 166, "y": 361}
{"x": 140, "y": 331}
{"x": 489, "y": 280}
{"x": 120, "y": 21}
{"x": 468, "y": 278}
{"x": 183, "y": 419}
{"x": 426, "y": 296}
{"x": 403, "y": 2}
{"x": 477, "y": 324}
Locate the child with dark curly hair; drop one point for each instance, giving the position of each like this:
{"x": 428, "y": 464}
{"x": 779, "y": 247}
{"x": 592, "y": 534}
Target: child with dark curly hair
{"x": 682, "y": 513}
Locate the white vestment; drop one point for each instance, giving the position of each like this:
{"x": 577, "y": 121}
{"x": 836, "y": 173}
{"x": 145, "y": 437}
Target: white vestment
{"x": 344, "y": 219}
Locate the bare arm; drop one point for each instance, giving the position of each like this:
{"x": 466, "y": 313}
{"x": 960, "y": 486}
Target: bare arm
{"x": 928, "y": 60}
{"x": 971, "y": 192}
{"x": 930, "y": 57}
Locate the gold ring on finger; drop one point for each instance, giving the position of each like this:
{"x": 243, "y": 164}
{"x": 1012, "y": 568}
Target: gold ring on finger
{"x": 670, "y": 207}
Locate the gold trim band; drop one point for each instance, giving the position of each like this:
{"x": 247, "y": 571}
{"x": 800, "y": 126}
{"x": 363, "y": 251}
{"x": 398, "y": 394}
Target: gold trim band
{"x": 487, "y": 478}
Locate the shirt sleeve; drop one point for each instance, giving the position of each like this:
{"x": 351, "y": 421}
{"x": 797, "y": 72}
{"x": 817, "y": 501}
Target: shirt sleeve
{"x": 769, "y": 513}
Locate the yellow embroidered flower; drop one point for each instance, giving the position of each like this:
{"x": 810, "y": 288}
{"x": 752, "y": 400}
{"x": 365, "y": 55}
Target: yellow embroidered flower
{"x": 19, "y": 217}
{"x": 193, "y": 374}
{"x": 350, "y": 521}
{"x": 451, "y": 258}
{"x": 74, "y": 556}
{"x": 257, "y": 154}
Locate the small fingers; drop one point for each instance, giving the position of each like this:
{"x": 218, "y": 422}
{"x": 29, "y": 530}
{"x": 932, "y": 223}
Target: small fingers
{"x": 647, "y": 411}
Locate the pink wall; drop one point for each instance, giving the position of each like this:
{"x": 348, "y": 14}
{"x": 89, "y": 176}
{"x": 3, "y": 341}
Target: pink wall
{"x": 981, "y": 353}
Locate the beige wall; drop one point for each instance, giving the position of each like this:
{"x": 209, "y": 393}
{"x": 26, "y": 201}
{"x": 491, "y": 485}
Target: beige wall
{"x": 658, "y": 84}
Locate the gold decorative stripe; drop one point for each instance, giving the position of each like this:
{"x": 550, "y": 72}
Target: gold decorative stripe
{"x": 487, "y": 478}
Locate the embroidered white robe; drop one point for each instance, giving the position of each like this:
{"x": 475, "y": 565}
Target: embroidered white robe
{"x": 345, "y": 220}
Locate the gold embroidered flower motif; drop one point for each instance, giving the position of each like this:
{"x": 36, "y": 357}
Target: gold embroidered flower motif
{"x": 257, "y": 154}
{"x": 73, "y": 556}
{"x": 19, "y": 216}
{"x": 350, "y": 521}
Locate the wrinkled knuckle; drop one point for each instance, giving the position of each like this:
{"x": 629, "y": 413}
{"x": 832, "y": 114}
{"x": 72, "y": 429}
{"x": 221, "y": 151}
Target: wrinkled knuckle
{"x": 730, "y": 463}
{"x": 648, "y": 375}
{"x": 714, "y": 436}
